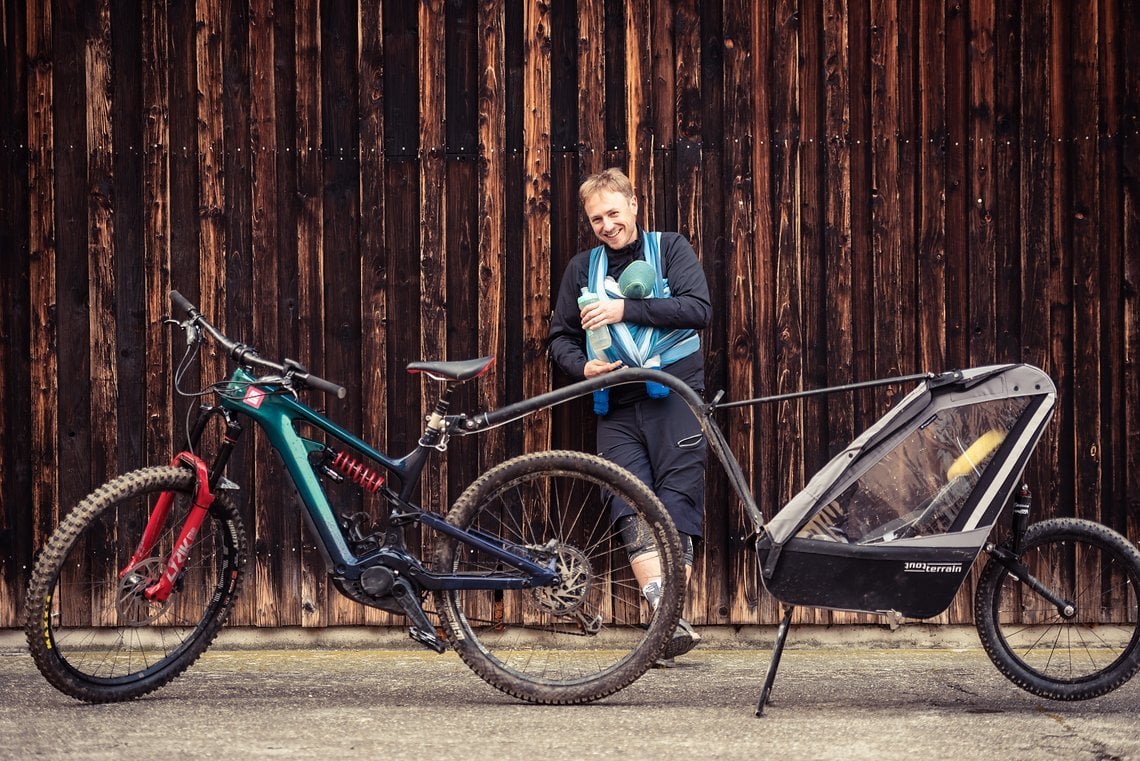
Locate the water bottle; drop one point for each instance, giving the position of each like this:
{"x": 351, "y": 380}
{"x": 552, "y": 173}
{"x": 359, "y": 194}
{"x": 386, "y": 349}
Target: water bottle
{"x": 599, "y": 339}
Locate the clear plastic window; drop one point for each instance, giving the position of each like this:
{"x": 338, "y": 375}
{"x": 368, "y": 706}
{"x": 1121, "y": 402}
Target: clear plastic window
{"x": 918, "y": 487}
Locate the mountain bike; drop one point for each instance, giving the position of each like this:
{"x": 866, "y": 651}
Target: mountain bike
{"x": 530, "y": 579}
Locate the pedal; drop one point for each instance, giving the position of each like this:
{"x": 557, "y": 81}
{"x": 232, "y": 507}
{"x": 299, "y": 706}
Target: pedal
{"x": 427, "y": 638}
{"x": 421, "y": 629}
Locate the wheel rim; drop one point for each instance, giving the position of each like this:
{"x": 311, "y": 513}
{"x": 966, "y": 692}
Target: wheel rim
{"x": 1076, "y": 648}
{"x": 97, "y": 622}
{"x": 589, "y": 624}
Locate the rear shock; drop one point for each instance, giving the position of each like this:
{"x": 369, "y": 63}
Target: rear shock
{"x": 338, "y": 465}
{"x": 1020, "y": 517}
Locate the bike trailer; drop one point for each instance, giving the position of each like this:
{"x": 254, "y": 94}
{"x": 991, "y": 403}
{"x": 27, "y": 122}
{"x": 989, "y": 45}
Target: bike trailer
{"x": 893, "y": 522}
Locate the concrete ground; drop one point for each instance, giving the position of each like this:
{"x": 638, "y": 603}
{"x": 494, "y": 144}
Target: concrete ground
{"x": 845, "y": 693}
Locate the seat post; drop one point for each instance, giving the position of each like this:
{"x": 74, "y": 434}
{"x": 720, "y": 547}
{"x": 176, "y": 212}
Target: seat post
{"x": 774, "y": 664}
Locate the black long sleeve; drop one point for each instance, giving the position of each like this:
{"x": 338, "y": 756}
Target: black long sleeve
{"x": 689, "y": 306}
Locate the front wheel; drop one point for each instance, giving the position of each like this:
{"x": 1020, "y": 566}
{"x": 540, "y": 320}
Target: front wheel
{"x": 92, "y": 631}
{"x": 1052, "y": 650}
{"x": 588, "y": 636}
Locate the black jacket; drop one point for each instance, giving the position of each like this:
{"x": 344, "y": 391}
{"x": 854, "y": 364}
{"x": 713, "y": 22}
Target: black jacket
{"x": 688, "y": 307}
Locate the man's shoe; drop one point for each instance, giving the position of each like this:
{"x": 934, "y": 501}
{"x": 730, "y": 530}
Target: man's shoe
{"x": 685, "y": 638}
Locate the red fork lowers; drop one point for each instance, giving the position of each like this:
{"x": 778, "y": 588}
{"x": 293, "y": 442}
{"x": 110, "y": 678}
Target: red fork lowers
{"x": 203, "y": 498}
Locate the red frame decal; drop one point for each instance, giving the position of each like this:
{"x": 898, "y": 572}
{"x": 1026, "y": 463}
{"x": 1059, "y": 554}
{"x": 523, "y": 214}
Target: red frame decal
{"x": 254, "y": 397}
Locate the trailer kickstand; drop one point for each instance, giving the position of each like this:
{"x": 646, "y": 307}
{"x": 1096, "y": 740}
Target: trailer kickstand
{"x": 777, "y": 651}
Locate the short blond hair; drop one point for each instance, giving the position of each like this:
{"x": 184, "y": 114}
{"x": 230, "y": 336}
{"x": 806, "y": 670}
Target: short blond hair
{"x": 612, "y": 179}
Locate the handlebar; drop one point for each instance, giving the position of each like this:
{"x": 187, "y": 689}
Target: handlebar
{"x": 248, "y": 356}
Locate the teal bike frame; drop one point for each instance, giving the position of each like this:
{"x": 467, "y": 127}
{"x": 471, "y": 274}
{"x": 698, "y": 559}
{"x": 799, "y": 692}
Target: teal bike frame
{"x": 274, "y": 409}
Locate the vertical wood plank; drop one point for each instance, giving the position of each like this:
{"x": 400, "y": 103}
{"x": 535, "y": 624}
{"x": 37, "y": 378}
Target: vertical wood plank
{"x": 159, "y": 442}
{"x": 266, "y": 559}
{"x": 16, "y": 506}
{"x": 1060, "y": 289}
{"x": 1110, "y": 95}
{"x": 1128, "y": 133}
{"x": 893, "y": 277}
{"x": 374, "y": 347}
{"x": 1006, "y": 211}
{"x": 211, "y": 179}
{"x": 747, "y": 224}
{"x": 814, "y": 358}
{"x": 69, "y": 122}
{"x": 42, "y": 363}
{"x": 661, "y": 82}
{"x": 1083, "y": 208}
{"x": 182, "y": 94}
{"x": 837, "y": 231}
{"x": 591, "y": 87}
{"x": 781, "y": 302}
{"x": 957, "y": 184}
{"x": 127, "y": 207}
{"x": 909, "y": 97}
{"x": 102, "y": 317}
{"x": 340, "y": 200}
{"x": 591, "y": 98}
{"x": 707, "y": 589}
{"x": 310, "y": 254}
{"x": 639, "y": 107}
{"x": 536, "y": 290}
{"x": 491, "y": 248}
{"x": 931, "y": 255}
{"x": 433, "y": 235}
{"x": 980, "y": 203}
{"x": 862, "y": 293}
{"x": 1035, "y": 191}
{"x": 461, "y": 257}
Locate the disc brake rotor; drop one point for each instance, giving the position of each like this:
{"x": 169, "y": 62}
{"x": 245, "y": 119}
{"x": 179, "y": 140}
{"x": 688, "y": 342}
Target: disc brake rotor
{"x": 574, "y": 570}
{"x": 131, "y": 601}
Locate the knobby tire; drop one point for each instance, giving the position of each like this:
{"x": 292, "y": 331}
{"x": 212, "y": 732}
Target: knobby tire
{"x": 91, "y": 633}
{"x": 588, "y": 637}
{"x": 1032, "y": 643}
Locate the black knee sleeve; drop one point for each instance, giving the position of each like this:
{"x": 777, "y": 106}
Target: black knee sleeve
{"x": 638, "y": 538}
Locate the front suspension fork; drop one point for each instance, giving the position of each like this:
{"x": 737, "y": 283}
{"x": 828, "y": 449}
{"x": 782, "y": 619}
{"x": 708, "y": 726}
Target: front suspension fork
{"x": 206, "y": 479}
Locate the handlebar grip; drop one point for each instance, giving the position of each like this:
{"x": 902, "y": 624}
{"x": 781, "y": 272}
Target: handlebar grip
{"x": 182, "y": 303}
{"x": 320, "y": 384}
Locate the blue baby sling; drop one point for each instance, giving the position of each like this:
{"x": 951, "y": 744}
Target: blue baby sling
{"x": 638, "y": 345}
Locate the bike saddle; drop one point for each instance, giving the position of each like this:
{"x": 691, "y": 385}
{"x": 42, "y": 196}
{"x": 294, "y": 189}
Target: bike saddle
{"x": 459, "y": 370}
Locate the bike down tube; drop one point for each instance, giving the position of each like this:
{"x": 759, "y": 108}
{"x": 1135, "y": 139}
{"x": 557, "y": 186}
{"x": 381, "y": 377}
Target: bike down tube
{"x": 701, "y": 410}
{"x": 537, "y": 575}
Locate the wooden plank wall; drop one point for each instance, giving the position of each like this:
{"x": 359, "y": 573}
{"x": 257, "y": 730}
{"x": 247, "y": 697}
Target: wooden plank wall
{"x": 874, "y": 187}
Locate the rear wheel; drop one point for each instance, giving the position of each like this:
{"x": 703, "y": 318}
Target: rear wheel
{"x": 91, "y": 630}
{"x": 592, "y": 634}
{"x": 1056, "y": 652}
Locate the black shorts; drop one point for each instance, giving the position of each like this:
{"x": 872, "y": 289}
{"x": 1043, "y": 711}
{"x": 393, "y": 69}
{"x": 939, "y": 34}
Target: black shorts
{"x": 660, "y": 442}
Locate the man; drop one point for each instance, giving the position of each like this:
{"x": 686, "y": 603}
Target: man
{"x": 641, "y": 427}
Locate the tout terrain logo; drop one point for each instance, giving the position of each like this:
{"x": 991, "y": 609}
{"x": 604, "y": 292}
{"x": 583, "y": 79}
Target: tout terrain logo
{"x": 920, "y": 567}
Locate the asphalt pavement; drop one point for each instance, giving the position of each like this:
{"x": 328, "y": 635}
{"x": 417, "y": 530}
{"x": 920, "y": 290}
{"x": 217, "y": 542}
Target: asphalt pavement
{"x": 835, "y": 697}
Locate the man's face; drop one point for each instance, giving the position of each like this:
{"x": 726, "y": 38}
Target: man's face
{"x": 613, "y": 217}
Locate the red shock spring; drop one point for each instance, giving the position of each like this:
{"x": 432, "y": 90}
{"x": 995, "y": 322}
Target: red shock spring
{"x": 363, "y": 476}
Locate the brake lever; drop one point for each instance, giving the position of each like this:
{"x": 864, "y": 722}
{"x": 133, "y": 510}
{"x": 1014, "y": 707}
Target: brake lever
{"x": 191, "y": 330}
{"x": 284, "y": 381}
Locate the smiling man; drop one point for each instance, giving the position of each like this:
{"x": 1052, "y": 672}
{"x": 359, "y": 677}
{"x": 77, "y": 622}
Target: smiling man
{"x": 641, "y": 427}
